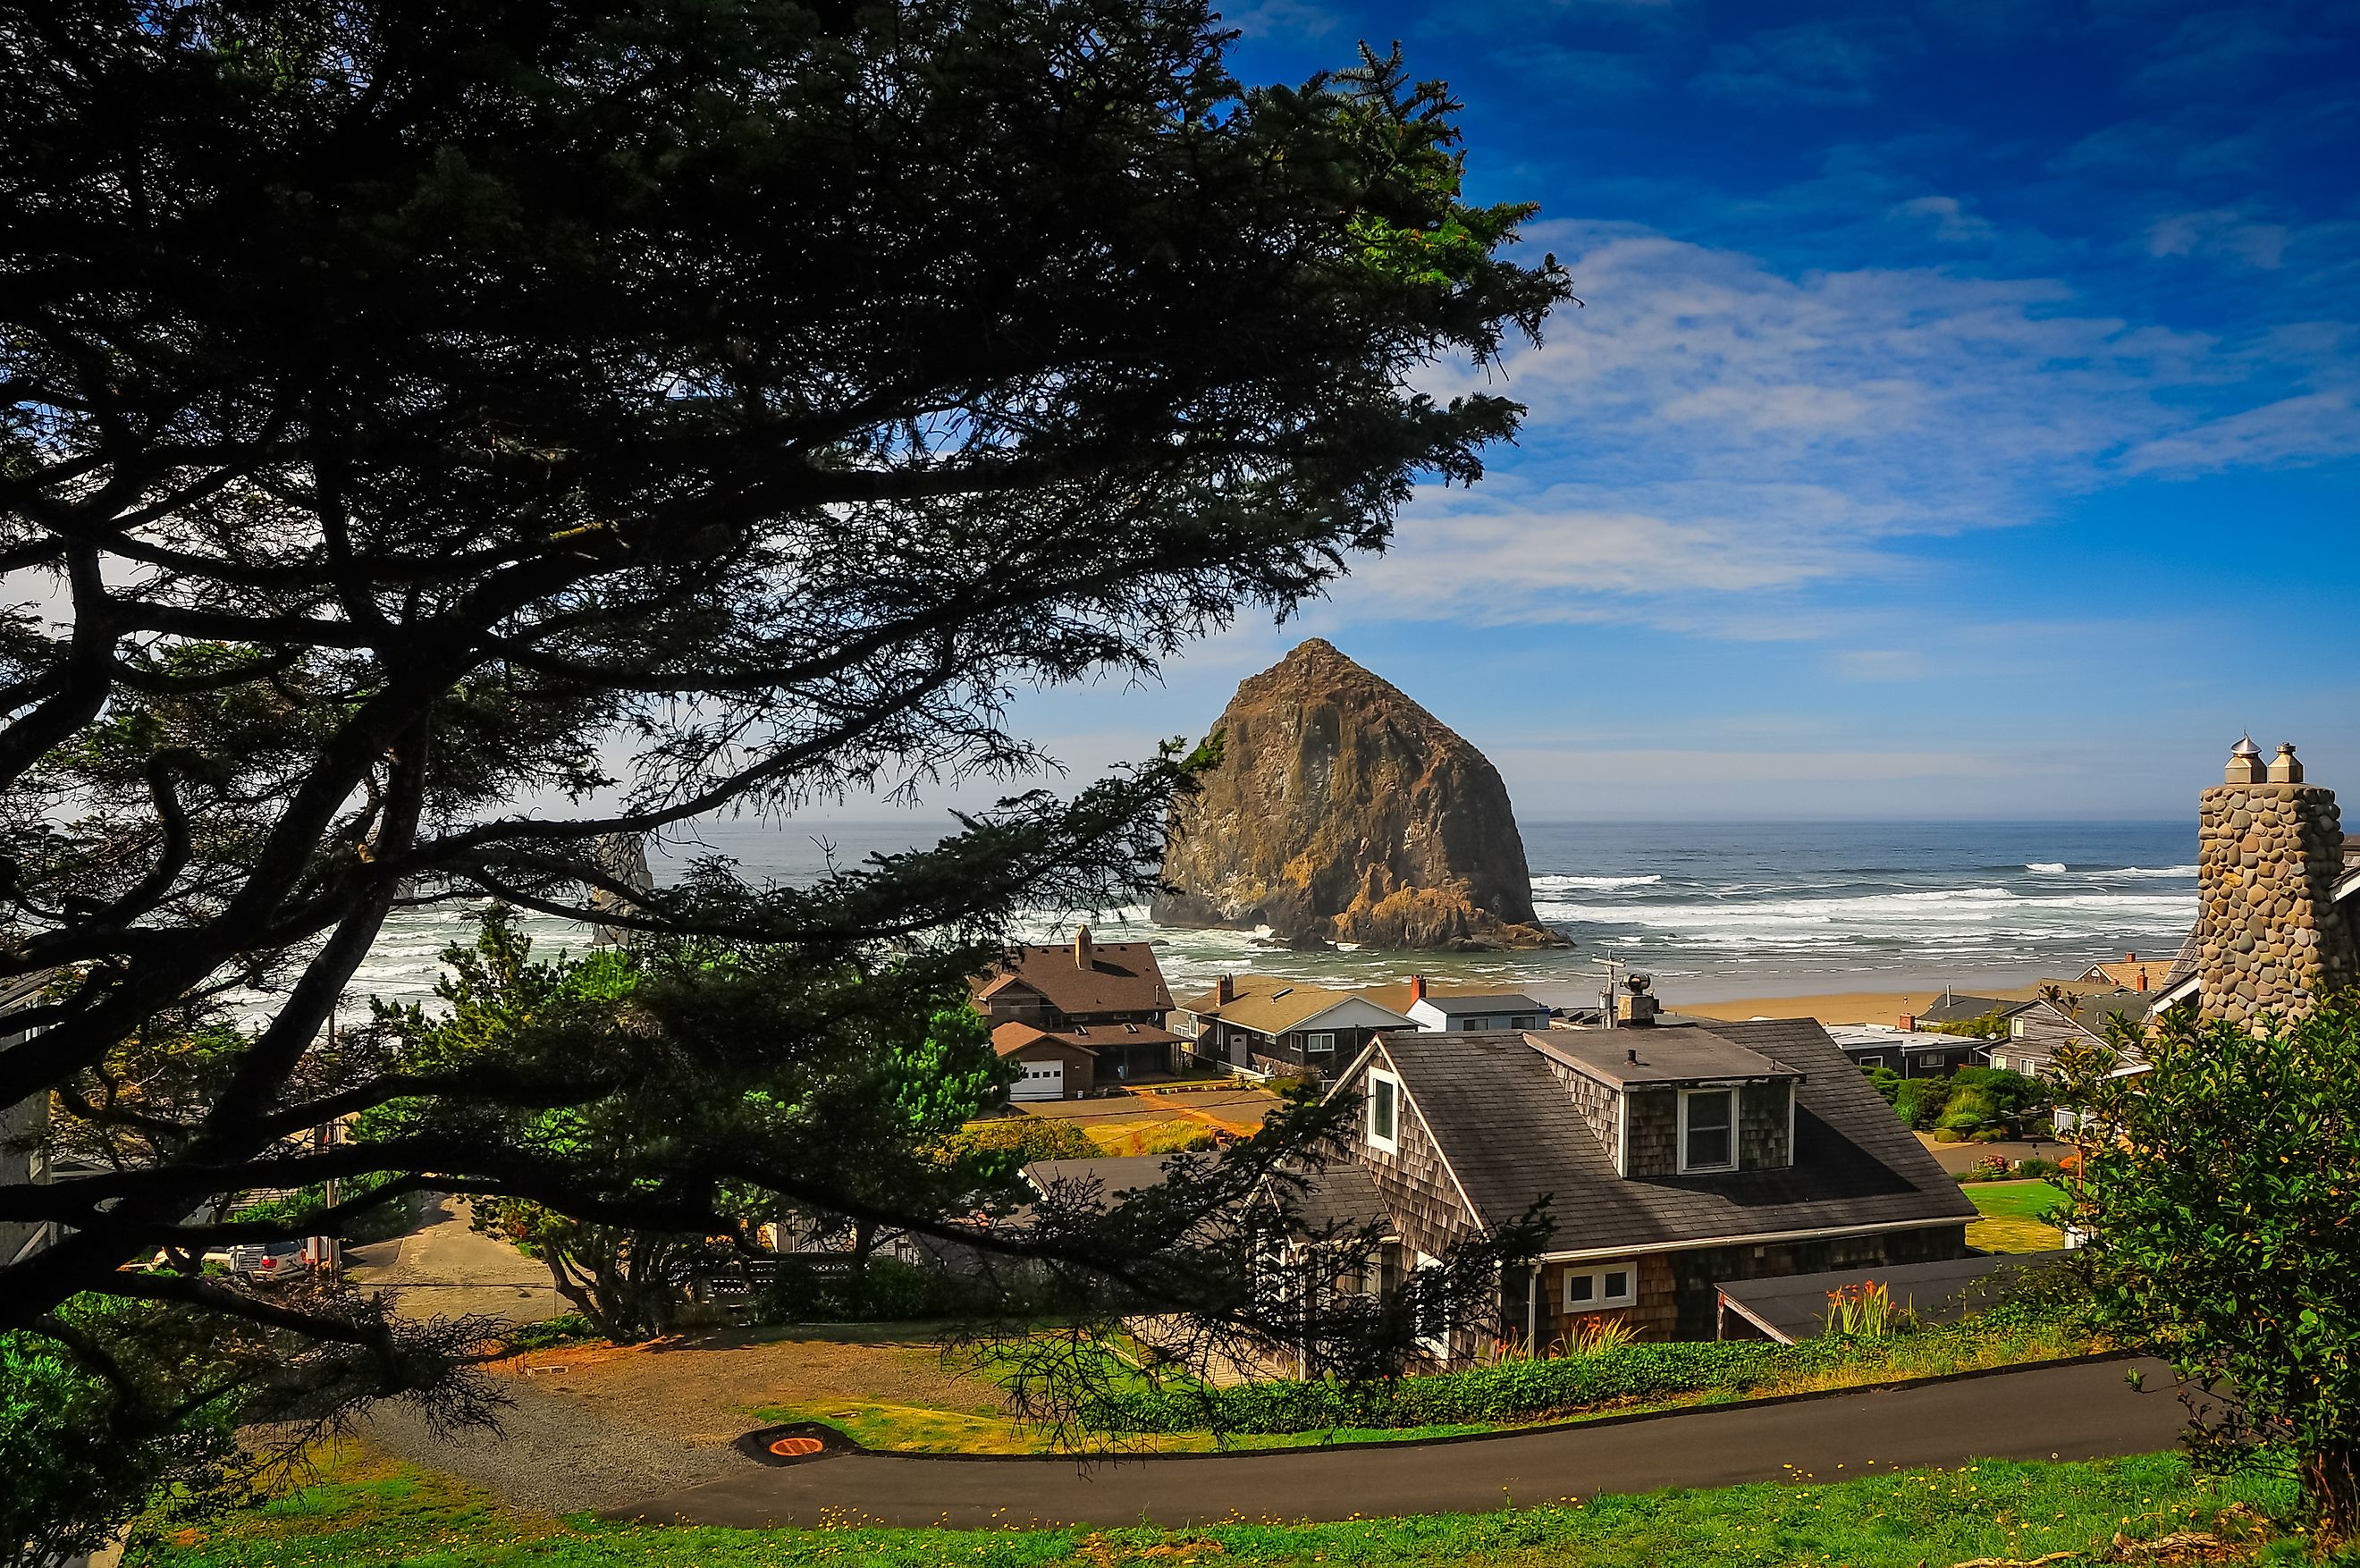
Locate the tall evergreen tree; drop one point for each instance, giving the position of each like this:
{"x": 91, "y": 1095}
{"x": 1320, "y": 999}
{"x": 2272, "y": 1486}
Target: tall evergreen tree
{"x": 438, "y": 436}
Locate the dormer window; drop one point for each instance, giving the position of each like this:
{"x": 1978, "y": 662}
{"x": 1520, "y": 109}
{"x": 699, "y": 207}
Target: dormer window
{"x": 1708, "y": 1130}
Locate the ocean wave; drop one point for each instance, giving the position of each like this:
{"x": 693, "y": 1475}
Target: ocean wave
{"x": 1598, "y": 883}
{"x": 2135, "y": 871}
{"x": 1891, "y": 914}
{"x": 2046, "y": 868}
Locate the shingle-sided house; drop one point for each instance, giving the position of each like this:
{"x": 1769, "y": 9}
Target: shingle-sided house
{"x": 1447, "y": 1007}
{"x": 2037, "y": 1034}
{"x": 1267, "y": 1023}
{"x": 1076, "y": 1017}
{"x": 1675, "y": 1157}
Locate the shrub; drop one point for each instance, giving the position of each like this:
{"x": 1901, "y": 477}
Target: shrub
{"x": 1884, "y": 1080}
{"x": 566, "y": 1328}
{"x": 397, "y": 1218}
{"x": 1026, "y": 1138}
{"x": 1525, "y": 1388}
{"x": 1920, "y": 1100}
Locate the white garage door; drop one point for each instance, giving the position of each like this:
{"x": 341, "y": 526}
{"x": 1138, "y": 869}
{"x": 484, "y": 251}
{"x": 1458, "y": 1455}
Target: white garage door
{"x": 1040, "y": 1081}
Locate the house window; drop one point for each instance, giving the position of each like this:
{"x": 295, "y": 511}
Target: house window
{"x": 2015, "y": 1028}
{"x": 1929, "y": 1062}
{"x": 1478, "y": 1024}
{"x": 1872, "y": 1062}
{"x": 1319, "y": 1045}
{"x": 1523, "y": 1023}
{"x": 1596, "y": 1287}
{"x": 1707, "y": 1129}
{"x": 1998, "y": 1060}
{"x": 1384, "y": 1112}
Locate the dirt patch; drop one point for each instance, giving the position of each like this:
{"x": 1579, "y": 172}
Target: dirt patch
{"x": 705, "y": 1391}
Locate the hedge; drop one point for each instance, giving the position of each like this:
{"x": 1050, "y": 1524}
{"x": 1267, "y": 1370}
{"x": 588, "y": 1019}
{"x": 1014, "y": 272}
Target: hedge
{"x": 1532, "y": 1389}
{"x": 1511, "y": 1390}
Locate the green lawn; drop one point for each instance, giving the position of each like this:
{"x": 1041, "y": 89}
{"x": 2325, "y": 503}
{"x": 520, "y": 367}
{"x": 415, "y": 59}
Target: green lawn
{"x": 2011, "y": 1211}
{"x": 374, "y": 1513}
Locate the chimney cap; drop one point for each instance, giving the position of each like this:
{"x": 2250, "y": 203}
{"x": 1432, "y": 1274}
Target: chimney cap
{"x": 2246, "y": 748}
{"x": 2286, "y": 768}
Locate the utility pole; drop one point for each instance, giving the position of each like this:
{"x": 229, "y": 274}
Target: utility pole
{"x": 327, "y": 1253}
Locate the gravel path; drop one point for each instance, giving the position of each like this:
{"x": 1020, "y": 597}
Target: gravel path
{"x": 550, "y": 1457}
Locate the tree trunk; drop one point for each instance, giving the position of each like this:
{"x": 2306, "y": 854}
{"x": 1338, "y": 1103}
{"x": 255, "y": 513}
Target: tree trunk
{"x": 2331, "y": 1483}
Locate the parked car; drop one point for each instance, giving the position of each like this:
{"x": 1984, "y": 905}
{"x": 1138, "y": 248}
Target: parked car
{"x": 266, "y": 1262}
{"x": 262, "y": 1261}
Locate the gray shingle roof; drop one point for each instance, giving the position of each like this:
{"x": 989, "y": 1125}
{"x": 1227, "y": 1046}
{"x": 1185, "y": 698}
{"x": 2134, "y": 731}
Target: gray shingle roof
{"x": 1959, "y": 1009}
{"x": 1669, "y": 1053}
{"x": 1511, "y": 1134}
{"x": 1339, "y": 1198}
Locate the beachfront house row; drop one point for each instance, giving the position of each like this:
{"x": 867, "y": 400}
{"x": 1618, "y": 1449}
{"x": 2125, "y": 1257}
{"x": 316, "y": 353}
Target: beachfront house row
{"x": 1676, "y": 1157}
{"x": 1444, "y": 1009}
{"x": 1079, "y": 1018}
{"x": 1268, "y": 1025}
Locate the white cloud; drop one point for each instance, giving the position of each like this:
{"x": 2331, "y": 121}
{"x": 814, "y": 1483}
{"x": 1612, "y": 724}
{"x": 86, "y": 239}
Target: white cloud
{"x": 1709, "y": 427}
{"x": 1953, "y": 224}
{"x": 1280, "y": 18}
{"x": 2296, "y": 428}
{"x": 2222, "y": 231}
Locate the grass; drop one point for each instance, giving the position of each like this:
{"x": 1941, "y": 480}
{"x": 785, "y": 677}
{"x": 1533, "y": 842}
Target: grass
{"x": 369, "y": 1512}
{"x": 2011, "y": 1216}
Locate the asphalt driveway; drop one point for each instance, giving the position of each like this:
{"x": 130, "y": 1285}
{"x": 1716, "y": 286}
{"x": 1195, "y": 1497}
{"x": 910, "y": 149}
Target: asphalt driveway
{"x": 2082, "y": 1410}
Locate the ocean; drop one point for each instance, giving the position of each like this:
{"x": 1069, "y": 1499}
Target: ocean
{"x": 1713, "y": 911}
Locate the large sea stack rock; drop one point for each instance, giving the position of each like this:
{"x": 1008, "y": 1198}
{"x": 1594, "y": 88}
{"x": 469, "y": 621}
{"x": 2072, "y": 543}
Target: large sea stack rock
{"x": 1344, "y": 812}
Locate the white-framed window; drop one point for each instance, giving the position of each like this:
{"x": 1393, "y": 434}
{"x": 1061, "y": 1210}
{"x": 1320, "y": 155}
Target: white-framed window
{"x": 1384, "y": 1112}
{"x": 1998, "y": 1060}
{"x": 1872, "y": 1062}
{"x": 1707, "y": 1129}
{"x": 1593, "y": 1288}
{"x": 1929, "y": 1062}
{"x": 2015, "y": 1028}
{"x": 1319, "y": 1045}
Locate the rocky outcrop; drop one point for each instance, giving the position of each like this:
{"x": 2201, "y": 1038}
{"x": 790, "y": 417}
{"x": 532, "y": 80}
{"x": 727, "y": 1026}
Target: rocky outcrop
{"x": 1342, "y": 811}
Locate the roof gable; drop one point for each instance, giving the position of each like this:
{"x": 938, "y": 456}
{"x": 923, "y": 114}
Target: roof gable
{"x": 1121, "y": 977}
{"x": 1272, "y": 1005}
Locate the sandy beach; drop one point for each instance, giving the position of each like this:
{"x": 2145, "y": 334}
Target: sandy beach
{"x": 1838, "y": 1008}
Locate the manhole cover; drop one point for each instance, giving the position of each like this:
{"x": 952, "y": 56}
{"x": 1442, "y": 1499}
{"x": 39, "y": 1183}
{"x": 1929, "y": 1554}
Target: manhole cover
{"x": 796, "y": 1447}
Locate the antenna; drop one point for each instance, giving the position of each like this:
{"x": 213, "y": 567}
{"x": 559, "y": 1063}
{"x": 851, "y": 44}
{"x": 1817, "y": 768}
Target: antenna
{"x": 1606, "y": 997}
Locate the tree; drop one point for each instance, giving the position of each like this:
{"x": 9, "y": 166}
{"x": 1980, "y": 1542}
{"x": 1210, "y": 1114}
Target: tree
{"x": 895, "y": 1075}
{"x": 636, "y": 411}
{"x": 450, "y": 436}
{"x": 2217, "y": 1189}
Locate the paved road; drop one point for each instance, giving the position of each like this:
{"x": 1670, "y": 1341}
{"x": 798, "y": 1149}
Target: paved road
{"x": 2081, "y": 1411}
{"x": 444, "y": 1268}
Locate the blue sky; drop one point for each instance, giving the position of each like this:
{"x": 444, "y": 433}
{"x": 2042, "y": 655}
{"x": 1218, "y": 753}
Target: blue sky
{"x": 1962, "y": 422}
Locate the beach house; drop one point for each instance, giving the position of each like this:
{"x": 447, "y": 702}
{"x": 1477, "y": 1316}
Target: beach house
{"x": 1675, "y": 1157}
{"x": 1076, "y": 1017}
{"x": 1267, "y": 1024}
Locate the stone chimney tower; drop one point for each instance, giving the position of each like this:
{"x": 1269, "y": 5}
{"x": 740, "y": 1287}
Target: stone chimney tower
{"x": 2269, "y": 849}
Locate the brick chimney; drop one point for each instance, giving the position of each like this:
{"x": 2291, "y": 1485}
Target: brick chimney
{"x": 2269, "y": 850}
{"x": 1416, "y": 989}
{"x": 1225, "y": 991}
{"x": 1081, "y": 947}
